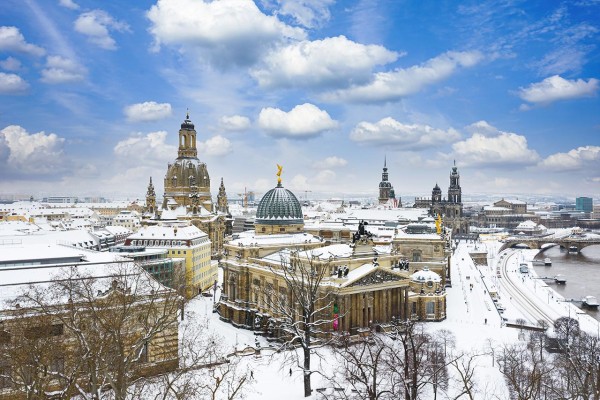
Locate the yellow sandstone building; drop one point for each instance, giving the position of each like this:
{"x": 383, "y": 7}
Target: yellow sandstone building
{"x": 364, "y": 286}
{"x": 187, "y": 242}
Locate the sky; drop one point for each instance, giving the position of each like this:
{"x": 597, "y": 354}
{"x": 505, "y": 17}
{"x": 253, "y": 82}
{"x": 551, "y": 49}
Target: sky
{"x": 92, "y": 94}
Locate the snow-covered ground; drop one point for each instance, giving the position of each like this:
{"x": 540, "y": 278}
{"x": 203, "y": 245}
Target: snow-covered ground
{"x": 472, "y": 317}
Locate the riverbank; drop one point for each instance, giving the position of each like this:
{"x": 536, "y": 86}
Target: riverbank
{"x": 582, "y": 271}
{"x": 535, "y": 292}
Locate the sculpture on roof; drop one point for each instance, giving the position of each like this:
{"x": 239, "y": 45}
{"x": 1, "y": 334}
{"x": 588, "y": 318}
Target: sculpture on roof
{"x": 279, "y": 170}
{"x": 361, "y": 233}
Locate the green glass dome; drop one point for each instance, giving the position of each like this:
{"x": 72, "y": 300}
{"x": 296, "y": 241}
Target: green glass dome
{"x": 279, "y": 206}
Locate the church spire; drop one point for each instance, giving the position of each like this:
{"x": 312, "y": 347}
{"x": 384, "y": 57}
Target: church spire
{"x": 150, "y": 198}
{"x": 222, "y": 204}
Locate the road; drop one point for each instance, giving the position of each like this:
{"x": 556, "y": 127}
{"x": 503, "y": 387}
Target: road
{"x": 512, "y": 285}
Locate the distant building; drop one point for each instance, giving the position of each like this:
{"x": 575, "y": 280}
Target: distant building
{"x": 387, "y": 195}
{"x": 127, "y": 219}
{"x": 585, "y": 204}
{"x": 60, "y": 199}
{"x": 451, "y": 209}
{"x": 505, "y": 214}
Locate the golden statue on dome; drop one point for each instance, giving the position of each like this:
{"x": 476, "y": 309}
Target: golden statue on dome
{"x": 279, "y": 170}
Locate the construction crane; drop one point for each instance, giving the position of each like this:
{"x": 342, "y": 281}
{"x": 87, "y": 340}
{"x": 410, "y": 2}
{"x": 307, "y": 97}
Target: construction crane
{"x": 245, "y": 196}
{"x": 306, "y": 192}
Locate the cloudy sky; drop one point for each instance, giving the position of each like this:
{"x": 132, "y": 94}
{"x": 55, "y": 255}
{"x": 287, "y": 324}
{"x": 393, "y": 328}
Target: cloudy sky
{"x": 92, "y": 94}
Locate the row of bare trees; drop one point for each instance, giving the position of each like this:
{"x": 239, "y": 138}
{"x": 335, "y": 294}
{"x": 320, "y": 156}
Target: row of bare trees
{"x": 572, "y": 372}
{"x": 110, "y": 335}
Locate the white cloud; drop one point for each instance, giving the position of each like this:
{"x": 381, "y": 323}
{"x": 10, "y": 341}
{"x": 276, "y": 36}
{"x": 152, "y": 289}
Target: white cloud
{"x": 227, "y": 31}
{"x": 96, "y": 24}
{"x": 329, "y": 62}
{"x": 308, "y": 13}
{"x": 62, "y": 70}
{"x": 326, "y": 176}
{"x": 35, "y": 153}
{"x": 11, "y": 39}
{"x": 147, "y": 111}
{"x": 331, "y": 162}
{"x": 506, "y": 149}
{"x": 145, "y": 148}
{"x": 557, "y": 88}
{"x": 10, "y": 64}
{"x": 389, "y": 86}
{"x": 69, "y": 4}
{"x": 12, "y": 84}
{"x": 390, "y": 132}
{"x": 561, "y": 60}
{"x": 299, "y": 182}
{"x": 586, "y": 157}
{"x": 483, "y": 128}
{"x": 215, "y": 146}
{"x": 234, "y": 122}
{"x": 303, "y": 121}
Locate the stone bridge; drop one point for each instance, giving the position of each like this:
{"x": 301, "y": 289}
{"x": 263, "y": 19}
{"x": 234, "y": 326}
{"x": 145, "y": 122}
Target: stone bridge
{"x": 569, "y": 243}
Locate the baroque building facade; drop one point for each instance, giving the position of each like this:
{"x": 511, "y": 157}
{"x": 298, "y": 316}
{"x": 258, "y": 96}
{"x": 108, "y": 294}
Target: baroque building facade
{"x": 450, "y": 208}
{"x": 370, "y": 285}
{"x": 187, "y": 195}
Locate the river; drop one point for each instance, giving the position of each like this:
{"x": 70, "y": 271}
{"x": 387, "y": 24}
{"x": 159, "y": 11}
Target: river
{"x": 581, "y": 270}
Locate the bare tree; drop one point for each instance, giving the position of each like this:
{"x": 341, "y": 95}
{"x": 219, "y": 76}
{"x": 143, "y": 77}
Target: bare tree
{"x": 578, "y": 374}
{"x": 32, "y": 357}
{"x": 301, "y": 308}
{"x": 415, "y": 360}
{"x": 363, "y": 369}
{"x": 117, "y": 327}
{"x": 205, "y": 370}
{"x": 526, "y": 373}
{"x": 566, "y": 329}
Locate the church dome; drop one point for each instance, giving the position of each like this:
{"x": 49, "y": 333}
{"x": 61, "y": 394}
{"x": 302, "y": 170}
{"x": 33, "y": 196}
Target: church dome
{"x": 186, "y": 173}
{"x": 279, "y": 206}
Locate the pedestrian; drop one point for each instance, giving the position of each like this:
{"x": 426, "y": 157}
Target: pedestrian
{"x": 251, "y": 374}
{"x": 486, "y": 321}
{"x": 290, "y": 372}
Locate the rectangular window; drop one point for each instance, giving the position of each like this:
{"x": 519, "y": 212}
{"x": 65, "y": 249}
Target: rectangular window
{"x": 430, "y": 307}
{"x": 44, "y": 331}
{"x": 57, "y": 365}
{"x": 4, "y": 337}
{"x": 144, "y": 353}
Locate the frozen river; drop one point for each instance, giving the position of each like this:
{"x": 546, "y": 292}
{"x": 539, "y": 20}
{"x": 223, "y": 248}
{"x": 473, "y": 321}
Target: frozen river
{"x": 581, "y": 270}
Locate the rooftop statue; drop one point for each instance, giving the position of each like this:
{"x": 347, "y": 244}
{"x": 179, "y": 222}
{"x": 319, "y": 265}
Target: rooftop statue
{"x": 279, "y": 170}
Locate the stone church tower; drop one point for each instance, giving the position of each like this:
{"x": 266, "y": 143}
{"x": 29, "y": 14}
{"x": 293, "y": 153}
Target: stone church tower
{"x": 150, "y": 199}
{"x": 386, "y": 190}
{"x": 222, "y": 205}
{"x": 454, "y": 190}
{"x": 187, "y": 182}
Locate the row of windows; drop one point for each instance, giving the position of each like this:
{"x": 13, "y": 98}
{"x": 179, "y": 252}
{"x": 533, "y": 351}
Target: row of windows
{"x": 158, "y": 243}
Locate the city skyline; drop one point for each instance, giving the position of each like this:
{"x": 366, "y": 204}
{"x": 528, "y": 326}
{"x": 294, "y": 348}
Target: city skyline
{"x": 93, "y": 94}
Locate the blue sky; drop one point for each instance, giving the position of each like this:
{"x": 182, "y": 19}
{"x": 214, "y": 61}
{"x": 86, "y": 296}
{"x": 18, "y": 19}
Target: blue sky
{"x": 92, "y": 94}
